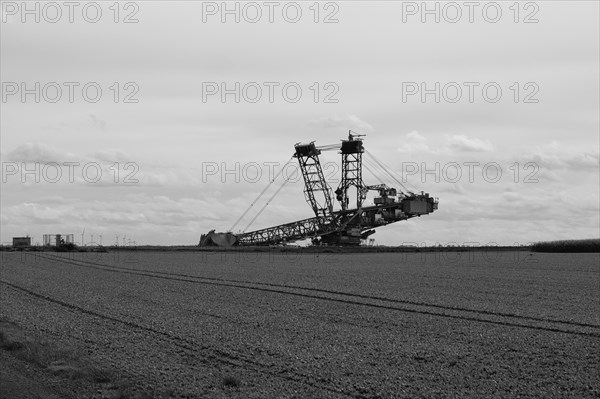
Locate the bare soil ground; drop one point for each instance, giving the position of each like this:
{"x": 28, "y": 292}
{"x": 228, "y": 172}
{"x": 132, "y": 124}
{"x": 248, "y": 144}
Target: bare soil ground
{"x": 277, "y": 325}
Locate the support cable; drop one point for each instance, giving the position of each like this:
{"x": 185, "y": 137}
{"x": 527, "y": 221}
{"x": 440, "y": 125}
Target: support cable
{"x": 407, "y": 182}
{"x": 261, "y": 194}
{"x": 270, "y": 199}
{"x": 387, "y": 171}
{"x": 328, "y": 147}
{"x": 378, "y": 171}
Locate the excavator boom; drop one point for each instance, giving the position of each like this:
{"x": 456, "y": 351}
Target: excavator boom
{"x": 347, "y": 226}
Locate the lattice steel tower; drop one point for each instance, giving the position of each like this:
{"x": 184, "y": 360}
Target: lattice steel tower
{"x": 352, "y": 150}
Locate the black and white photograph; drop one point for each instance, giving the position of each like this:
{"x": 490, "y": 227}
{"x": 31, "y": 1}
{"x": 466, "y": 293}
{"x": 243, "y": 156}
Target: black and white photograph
{"x": 299, "y": 199}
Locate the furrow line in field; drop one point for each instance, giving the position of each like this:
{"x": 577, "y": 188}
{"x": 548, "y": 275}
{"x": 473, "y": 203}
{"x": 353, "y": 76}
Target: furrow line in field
{"x": 377, "y": 298}
{"x": 206, "y": 351}
{"x": 503, "y": 319}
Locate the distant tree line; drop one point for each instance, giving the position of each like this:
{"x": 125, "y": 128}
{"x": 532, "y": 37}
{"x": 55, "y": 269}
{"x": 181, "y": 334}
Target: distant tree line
{"x": 590, "y": 245}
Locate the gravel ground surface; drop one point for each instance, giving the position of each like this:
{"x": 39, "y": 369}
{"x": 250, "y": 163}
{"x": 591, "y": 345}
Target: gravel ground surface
{"x": 289, "y": 325}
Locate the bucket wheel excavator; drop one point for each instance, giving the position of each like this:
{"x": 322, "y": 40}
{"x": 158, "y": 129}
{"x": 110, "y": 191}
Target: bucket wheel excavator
{"x": 355, "y": 221}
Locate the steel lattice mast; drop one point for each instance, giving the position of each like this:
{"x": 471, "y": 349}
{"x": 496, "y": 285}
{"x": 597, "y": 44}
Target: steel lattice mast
{"x": 316, "y": 191}
{"x": 351, "y": 150}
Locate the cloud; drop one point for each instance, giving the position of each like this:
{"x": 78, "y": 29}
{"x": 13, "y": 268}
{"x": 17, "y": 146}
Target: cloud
{"x": 112, "y": 155}
{"x": 99, "y": 123}
{"x": 556, "y": 157}
{"x": 463, "y": 143}
{"x": 345, "y": 122}
{"x": 511, "y": 196}
{"x": 129, "y": 213}
{"x": 35, "y": 152}
{"x": 567, "y": 160}
{"x": 454, "y": 188}
{"x": 415, "y": 142}
{"x": 42, "y": 165}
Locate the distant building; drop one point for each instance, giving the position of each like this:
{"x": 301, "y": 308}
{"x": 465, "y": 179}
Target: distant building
{"x": 58, "y": 239}
{"x": 21, "y": 241}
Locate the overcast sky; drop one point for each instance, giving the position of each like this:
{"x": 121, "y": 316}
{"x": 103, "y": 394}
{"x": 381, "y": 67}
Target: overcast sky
{"x": 517, "y": 92}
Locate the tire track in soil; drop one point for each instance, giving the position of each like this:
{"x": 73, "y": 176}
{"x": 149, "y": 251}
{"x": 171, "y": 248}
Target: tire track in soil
{"x": 190, "y": 345}
{"x": 559, "y": 326}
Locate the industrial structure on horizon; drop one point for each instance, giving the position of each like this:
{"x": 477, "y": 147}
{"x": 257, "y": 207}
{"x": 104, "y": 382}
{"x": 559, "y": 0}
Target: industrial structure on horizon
{"x": 21, "y": 242}
{"x": 350, "y": 224}
{"x": 58, "y": 239}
